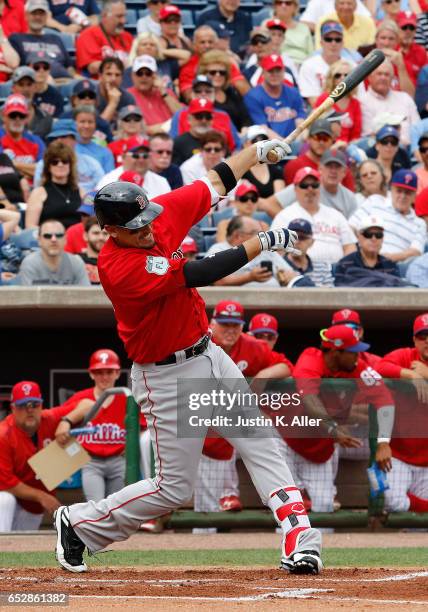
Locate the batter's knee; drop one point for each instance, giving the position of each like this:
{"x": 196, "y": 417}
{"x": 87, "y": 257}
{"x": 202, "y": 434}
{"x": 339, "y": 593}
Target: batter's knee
{"x": 176, "y": 496}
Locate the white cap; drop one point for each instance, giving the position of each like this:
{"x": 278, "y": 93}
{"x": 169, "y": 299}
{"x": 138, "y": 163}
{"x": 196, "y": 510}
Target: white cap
{"x": 370, "y": 221}
{"x": 144, "y": 61}
{"x": 254, "y": 131}
{"x": 386, "y": 118}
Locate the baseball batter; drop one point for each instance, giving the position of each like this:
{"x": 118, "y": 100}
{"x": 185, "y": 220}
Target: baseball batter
{"x": 162, "y": 321}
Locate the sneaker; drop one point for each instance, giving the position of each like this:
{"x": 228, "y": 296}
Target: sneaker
{"x": 231, "y": 504}
{"x": 69, "y": 547}
{"x": 305, "y": 562}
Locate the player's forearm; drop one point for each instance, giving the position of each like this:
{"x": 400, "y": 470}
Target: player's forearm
{"x": 83, "y": 407}
{"x": 239, "y": 164}
{"x": 315, "y": 408}
{"x": 385, "y": 422}
{"x": 277, "y": 371}
{"x": 23, "y": 491}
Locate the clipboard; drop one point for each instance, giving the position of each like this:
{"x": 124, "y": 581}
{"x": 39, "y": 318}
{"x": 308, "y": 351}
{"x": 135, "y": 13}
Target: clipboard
{"x": 54, "y": 464}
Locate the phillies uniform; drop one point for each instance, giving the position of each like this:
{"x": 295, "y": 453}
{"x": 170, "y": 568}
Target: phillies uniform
{"x": 313, "y": 461}
{"x": 16, "y": 447}
{"x": 157, "y": 318}
{"x": 217, "y": 475}
{"x": 409, "y": 472}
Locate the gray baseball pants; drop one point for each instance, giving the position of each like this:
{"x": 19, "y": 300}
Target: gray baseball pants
{"x": 103, "y": 476}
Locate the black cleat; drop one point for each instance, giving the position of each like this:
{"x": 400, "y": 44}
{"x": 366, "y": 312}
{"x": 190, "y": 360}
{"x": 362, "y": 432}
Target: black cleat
{"x": 69, "y": 547}
{"x": 305, "y": 562}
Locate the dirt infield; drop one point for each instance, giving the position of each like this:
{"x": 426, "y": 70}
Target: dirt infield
{"x": 219, "y": 588}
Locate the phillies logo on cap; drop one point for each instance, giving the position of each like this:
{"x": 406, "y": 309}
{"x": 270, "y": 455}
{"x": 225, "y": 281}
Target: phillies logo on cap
{"x": 26, "y": 387}
{"x": 103, "y": 357}
{"x": 266, "y": 320}
{"x": 408, "y": 178}
{"x": 345, "y": 313}
{"x": 231, "y": 308}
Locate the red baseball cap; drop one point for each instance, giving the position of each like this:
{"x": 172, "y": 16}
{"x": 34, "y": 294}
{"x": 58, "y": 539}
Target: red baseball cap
{"x": 137, "y": 142}
{"x": 244, "y": 188}
{"x": 188, "y": 245}
{"x": 168, "y": 10}
{"x": 304, "y": 172}
{"x": 420, "y": 324}
{"x": 104, "y": 359}
{"x": 345, "y": 316}
{"x": 263, "y": 322}
{"x": 26, "y": 391}
{"x": 406, "y": 18}
{"x": 421, "y": 203}
{"x": 275, "y": 23}
{"x": 200, "y": 105}
{"x": 343, "y": 338}
{"x": 132, "y": 177}
{"x": 15, "y": 104}
{"x": 272, "y": 61}
{"x": 228, "y": 311}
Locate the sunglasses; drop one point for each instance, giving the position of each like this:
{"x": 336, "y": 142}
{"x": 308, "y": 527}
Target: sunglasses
{"x": 162, "y": 151}
{"x": 423, "y": 149}
{"x": 422, "y": 336}
{"x": 133, "y": 118}
{"x": 260, "y": 40}
{"x": 330, "y": 39}
{"x": 17, "y": 116}
{"x": 222, "y": 73}
{"x": 389, "y": 141}
{"x": 391, "y": 1}
{"x": 321, "y": 137}
{"x": 56, "y": 162}
{"x": 213, "y": 149}
{"x": 205, "y": 91}
{"x": 371, "y": 234}
{"x": 252, "y": 199}
{"x": 86, "y": 95}
{"x": 143, "y": 155}
{"x": 28, "y": 405}
{"x": 265, "y": 336}
{"x": 339, "y": 75}
{"x": 40, "y": 66}
{"x": 315, "y": 185}
{"x": 408, "y": 27}
{"x": 202, "y": 116}
{"x": 158, "y": 2}
{"x": 284, "y": 2}
{"x": 144, "y": 72}
{"x": 50, "y": 235}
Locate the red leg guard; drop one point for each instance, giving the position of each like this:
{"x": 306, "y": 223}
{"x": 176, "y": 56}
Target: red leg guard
{"x": 417, "y": 504}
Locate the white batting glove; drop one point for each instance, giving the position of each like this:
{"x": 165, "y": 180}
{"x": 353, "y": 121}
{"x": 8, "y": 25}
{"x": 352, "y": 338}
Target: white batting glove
{"x": 278, "y": 239}
{"x": 279, "y": 147}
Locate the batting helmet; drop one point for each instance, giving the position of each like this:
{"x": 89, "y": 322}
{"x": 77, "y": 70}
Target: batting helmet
{"x": 125, "y": 205}
{"x": 104, "y": 359}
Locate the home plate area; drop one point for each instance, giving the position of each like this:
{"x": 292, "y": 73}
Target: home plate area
{"x": 372, "y": 586}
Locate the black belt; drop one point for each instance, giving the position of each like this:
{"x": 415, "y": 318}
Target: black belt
{"x": 193, "y": 351}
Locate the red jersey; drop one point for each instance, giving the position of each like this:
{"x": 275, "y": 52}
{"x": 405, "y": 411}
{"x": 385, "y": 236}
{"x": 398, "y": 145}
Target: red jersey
{"x": 147, "y": 286}
{"x": 190, "y": 68}
{"x": 74, "y": 241}
{"x": 152, "y": 105}
{"x": 415, "y": 59}
{"x": 92, "y": 45}
{"x": 118, "y": 148}
{"x": 13, "y": 18}
{"x": 409, "y": 411}
{"x": 308, "y": 372}
{"x": 303, "y": 160}
{"x": 22, "y": 150}
{"x": 221, "y": 123}
{"x": 350, "y": 125}
{"x": 16, "y": 447}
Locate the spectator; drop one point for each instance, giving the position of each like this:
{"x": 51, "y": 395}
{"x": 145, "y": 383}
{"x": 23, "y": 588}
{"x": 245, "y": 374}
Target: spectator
{"x": 156, "y": 102}
{"x": 358, "y": 30}
{"x": 24, "y": 83}
{"x": 110, "y": 95}
{"x": 89, "y": 170}
{"x": 9, "y": 220}
{"x": 69, "y": 18}
{"x": 421, "y": 205}
{"x": 200, "y": 117}
{"x": 136, "y": 160}
{"x": 130, "y": 124}
{"x": 9, "y": 58}
{"x": 213, "y": 151}
{"x": 47, "y": 97}
{"x": 371, "y": 180}
{"x": 189, "y": 249}
{"x": 380, "y": 97}
{"x": 86, "y": 123}
{"x": 333, "y": 238}
{"x": 422, "y": 171}
{"x": 316, "y": 9}
{"x": 237, "y": 21}
{"x": 50, "y": 265}
{"x": 104, "y": 40}
{"x": 397, "y": 212}
{"x": 14, "y": 189}
{"x": 161, "y": 146}
{"x": 58, "y": 197}
{"x": 173, "y": 43}
{"x": 74, "y": 236}
{"x": 94, "y": 238}
{"x": 350, "y": 126}
{"x": 85, "y": 93}
{"x": 414, "y": 55}
{"x": 267, "y": 270}
{"x": 12, "y": 18}
{"x": 388, "y": 153}
{"x": 23, "y": 148}
{"x": 264, "y": 326}
{"x": 390, "y": 9}
{"x": 150, "y": 22}
{"x": 168, "y": 66}
{"x": 388, "y": 39}
{"x": 36, "y": 15}
{"x": 298, "y": 43}
{"x": 272, "y": 94}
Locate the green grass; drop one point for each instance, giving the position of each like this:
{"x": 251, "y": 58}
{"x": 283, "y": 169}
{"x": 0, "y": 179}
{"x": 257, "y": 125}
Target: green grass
{"x": 349, "y": 557}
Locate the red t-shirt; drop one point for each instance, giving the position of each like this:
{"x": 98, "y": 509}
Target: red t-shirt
{"x": 92, "y": 45}
{"x": 409, "y": 411}
{"x": 74, "y": 241}
{"x": 152, "y": 105}
{"x": 221, "y": 123}
{"x": 13, "y": 18}
{"x": 16, "y": 447}
{"x": 308, "y": 372}
{"x": 156, "y": 313}
{"x": 189, "y": 69}
{"x": 22, "y": 150}
{"x": 303, "y": 160}
{"x": 415, "y": 59}
{"x": 350, "y": 125}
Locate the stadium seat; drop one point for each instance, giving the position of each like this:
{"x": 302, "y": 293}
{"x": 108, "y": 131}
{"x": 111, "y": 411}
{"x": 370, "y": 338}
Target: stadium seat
{"x": 187, "y": 18}
{"x": 5, "y": 90}
{"x": 261, "y": 15}
{"x": 131, "y": 17}
{"x": 143, "y": 13}
{"x": 209, "y": 241}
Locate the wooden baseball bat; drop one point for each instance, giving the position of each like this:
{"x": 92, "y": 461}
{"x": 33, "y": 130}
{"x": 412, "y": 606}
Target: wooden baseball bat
{"x": 354, "y": 78}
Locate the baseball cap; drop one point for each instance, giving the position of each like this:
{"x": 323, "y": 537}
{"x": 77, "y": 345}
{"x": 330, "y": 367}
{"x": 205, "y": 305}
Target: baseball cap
{"x": 34, "y": 5}
{"x": 220, "y": 29}
{"x": 244, "y": 188}
{"x": 255, "y": 131}
{"x": 343, "y": 338}
{"x": 132, "y": 177}
{"x": 144, "y": 61}
{"x": 420, "y": 324}
{"x": 83, "y": 85}
{"x": 345, "y": 316}
{"x": 63, "y": 127}
{"x": 406, "y": 18}
{"x": 26, "y": 391}
{"x": 259, "y": 34}
{"x": 39, "y": 56}
{"x": 322, "y": 126}
{"x": 331, "y": 26}
{"x": 168, "y": 10}
{"x": 137, "y": 142}
{"x": 370, "y": 221}
{"x": 228, "y": 311}
{"x": 127, "y": 111}
{"x": 387, "y": 130}
{"x": 23, "y": 71}
{"x": 333, "y": 156}
{"x": 275, "y": 23}
{"x": 272, "y": 61}
{"x": 386, "y": 118}
{"x": 302, "y": 173}
{"x": 188, "y": 245}
{"x": 406, "y": 179}
{"x": 263, "y": 323}
{"x": 421, "y": 203}
{"x": 15, "y": 103}
{"x": 200, "y": 105}
{"x": 104, "y": 359}
{"x": 87, "y": 205}
{"x": 301, "y": 225}
{"x": 202, "y": 79}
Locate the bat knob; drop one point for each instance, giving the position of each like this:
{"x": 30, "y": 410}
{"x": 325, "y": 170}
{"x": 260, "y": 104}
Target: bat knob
{"x": 273, "y": 156}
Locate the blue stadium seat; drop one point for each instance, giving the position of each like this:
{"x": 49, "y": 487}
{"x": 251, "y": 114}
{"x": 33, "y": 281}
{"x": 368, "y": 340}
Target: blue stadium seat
{"x": 131, "y": 17}
{"x": 261, "y": 15}
{"x": 5, "y": 90}
{"x": 209, "y": 241}
{"x": 187, "y": 18}
{"x": 143, "y": 13}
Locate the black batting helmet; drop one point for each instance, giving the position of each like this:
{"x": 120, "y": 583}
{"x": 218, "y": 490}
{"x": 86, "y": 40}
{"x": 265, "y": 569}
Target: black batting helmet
{"x": 125, "y": 205}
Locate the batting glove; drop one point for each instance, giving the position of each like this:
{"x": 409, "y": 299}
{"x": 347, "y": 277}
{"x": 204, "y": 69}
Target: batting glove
{"x": 278, "y": 239}
{"x": 279, "y": 147}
